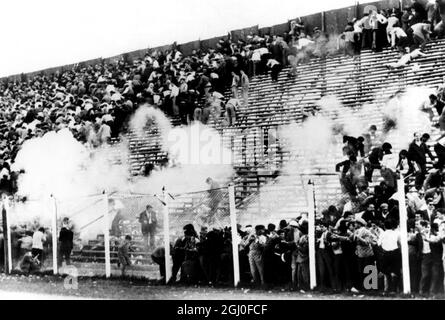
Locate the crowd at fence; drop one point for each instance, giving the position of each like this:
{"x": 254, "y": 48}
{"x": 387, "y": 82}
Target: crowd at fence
{"x": 95, "y": 103}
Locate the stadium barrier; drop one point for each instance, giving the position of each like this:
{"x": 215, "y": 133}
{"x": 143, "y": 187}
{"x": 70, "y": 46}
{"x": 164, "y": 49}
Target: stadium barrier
{"x": 97, "y": 234}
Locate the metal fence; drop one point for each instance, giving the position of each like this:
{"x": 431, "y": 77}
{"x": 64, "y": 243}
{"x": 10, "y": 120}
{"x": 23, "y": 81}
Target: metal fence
{"x": 101, "y": 222}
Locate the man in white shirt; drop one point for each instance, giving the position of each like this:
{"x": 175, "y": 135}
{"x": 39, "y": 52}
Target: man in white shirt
{"x": 235, "y": 82}
{"x": 397, "y": 36}
{"x": 406, "y": 59}
{"x": 428, "y": 281}
{"x": 38, "y": 239}
{"x": 429, "y": 105}
{"x": 275, "y": 68}
{"x": 421, "y": 34}
{"x": 393, "y": 21}
{"x": 389, "y": 241}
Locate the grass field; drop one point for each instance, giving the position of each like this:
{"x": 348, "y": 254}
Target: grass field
{"x": 52, "y": 287}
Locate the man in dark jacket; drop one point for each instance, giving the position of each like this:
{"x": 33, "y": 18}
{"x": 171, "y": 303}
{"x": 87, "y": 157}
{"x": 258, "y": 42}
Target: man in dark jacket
{"x": 148, "y": 222}
{"x": 66, "y": 243}
{"x": 417, "y": 153}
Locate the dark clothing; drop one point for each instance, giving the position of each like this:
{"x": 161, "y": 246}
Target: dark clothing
{"x": 148, "y": 223}
{"x": 66, "y": 245}
{"x": 374, "y": 158}
{"x": 415, "y": 261}
{"x": 346, "y": 165}
{"x": 37, "y": 254}
{"x": 158, "y": 257}
{"x": 371, "y": 216}
{"x": 417, "y": 154}
{"x": 275, "y": 71}
{"x": 440, "y": 152}
{"x": 115, "y": 230}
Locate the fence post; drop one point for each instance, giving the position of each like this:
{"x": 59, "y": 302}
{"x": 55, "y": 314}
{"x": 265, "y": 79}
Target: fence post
{"x": 323, "y": 23}
{"x": 166, "y": 237}
{"x": 311, "y": 235}
{"x": 7, "y": 235}
{"x": 54, "y": 234}
{"x": 107, "y": 236}
{"x": 234, "y": 229}
{"x": 404, "y": 235}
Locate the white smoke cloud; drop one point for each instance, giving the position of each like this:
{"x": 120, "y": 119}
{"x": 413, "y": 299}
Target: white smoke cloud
{"x": 148, "y": 116}
{"x": 404, "y": 114}
{"x": 59, "y": 165}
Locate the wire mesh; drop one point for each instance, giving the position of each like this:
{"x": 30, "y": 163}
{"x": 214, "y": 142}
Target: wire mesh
{"x": 131, "y": 217}
{"x": 199, "y": 227}
{"x": 25, "y": 218}
{"x": 86, "y": 221}
{"x": 271, "y": 204}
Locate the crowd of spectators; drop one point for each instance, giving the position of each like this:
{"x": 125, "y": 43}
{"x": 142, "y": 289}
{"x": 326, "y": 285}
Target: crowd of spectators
{"x": 95, "y": 103}
{"x": 348, "y": 247}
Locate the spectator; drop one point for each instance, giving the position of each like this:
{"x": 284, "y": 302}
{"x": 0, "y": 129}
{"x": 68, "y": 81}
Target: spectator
{"x": 431, "y": 259}
{"x": 123, "y": 254}
{"x": 38, "y": 240}
{"x": 431, "y": 104}
{"x": 420, "y": 34}
{"x": 235, "y": 83}
{"x": 417, "y": 154}
{"x": 439, "y": 149}
{"x": 66, "y": 237}
{"x": 231, "y": 111}
{"x": 256, "y": 243}
{"x": 184, "y": 249}
{"x": 245, "y": 87}
{"x": 348, "y": 37}
{"x": 302, "y": 259}
{"x": 415, "y": 243}
{"x": 398, "y": 38}
{"x": 148, "y": 222}
{"x": 365, "y": 241}
{"x": 391, "y": 260}
{"x": 275, "y": 68}
{"x": 406, "y": 59}
{"x": 393, "y": 22}
{"x": 158, "y": 257}
{"x": 325, "y": 260}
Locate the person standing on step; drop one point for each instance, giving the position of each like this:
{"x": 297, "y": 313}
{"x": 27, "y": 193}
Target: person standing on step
{"x": 439, "y": 149}
{"x": 275, "y": 68}
{"x": 245, "y": 87}
{"x": 148, "y": 222}
{"x": 38, "y": 240}
{"x": 417, "y": 154}
{"x": 66, "y": 242}
{"x": 123, "y": 254}
{"x": 235, "y": 83}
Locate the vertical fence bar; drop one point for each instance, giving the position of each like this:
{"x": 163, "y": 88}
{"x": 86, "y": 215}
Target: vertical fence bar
{"x": 53, "y": 204}
{"x": 107, "y": 236}
{"x": 404, "y": 236}
{"x": 311, "y": 235}
{"x": 7, "y": 235}
{"x": 235, "y": 238}
{"x": 166, "y": 237}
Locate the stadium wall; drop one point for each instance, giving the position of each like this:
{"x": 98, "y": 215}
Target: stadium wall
{"x": 333, "y": 22}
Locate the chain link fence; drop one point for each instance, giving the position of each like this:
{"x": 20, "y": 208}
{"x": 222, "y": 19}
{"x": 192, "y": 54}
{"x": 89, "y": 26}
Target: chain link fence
{"x": 199, "y": 226}
{"x": 24, "y": 219}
